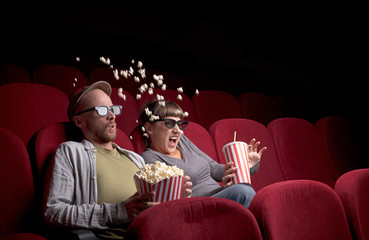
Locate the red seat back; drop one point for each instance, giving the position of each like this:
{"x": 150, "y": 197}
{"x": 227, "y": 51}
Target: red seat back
{"x": 13, "y": 73}
{"x": 212, "y": 105}
{"x": 259, "y": 107}
{"x": 31, "y": 106}
{"x": 63, "y": 77}
{"x": 202, "y": 139}
{"x": 300, "y": 150}
{"x": 222, "y": 132}
{"x": 300, "y": 209}
{"x": 16, "y": 183}
{"x": 128, "y": 120}
{"x": 195, "y": 218}
{"x": 352, "y": 187}
{"x": 342, "y": 138}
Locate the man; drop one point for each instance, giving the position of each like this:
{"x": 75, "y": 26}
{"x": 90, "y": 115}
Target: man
{"x": 91, "y": 182}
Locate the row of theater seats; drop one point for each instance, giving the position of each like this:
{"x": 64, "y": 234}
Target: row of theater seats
{"x": 34, "y": 105}
{"x": 299, "y": 158}
{"x": 249, "y": 104}
{"x": 300, "y": 192}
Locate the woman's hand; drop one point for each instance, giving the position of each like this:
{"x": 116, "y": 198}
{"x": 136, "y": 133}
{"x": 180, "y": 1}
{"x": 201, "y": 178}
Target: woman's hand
{"x": 138, "y": 203}
{"x": 186, "y": 192}
{"x": 254, "y": 155}
{"x": 228, "y": 174}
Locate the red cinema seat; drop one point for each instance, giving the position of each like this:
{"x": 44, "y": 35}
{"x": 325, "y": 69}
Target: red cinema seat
{"x": 213, "y": 105}
{"x": 342, "y": 137}
{"x": 195, "y": 218}
{"x": 31, "y": 106}
{"x": 300, "y": 150}
{"x": 300, "y": 209}
{"x": 259, "y": 107}
{"x": 222, "y": 132}
{"x": 65, "y": 78}
{"x": 172, "y": 95}
{"x": 17, "y": 217}
{"x": 202, "y": 139}
{"x": 129, "y": 118}
{"x": 13, "y": 73}
{"x": 352, "y": 187}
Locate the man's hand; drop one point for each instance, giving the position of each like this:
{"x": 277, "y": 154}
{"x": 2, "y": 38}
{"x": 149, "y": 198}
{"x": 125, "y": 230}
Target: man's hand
{"x": 138, "y": 203}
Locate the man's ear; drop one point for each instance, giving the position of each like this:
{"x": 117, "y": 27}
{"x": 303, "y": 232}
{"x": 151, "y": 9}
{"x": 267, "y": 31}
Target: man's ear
{"x": 79, "y": 123}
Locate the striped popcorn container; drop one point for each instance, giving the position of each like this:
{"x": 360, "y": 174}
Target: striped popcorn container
{"x": 165, "y": 190}
{"x": 236, "y": 152}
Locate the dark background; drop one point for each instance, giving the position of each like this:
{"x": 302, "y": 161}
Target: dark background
{"x": 305, "y": 48}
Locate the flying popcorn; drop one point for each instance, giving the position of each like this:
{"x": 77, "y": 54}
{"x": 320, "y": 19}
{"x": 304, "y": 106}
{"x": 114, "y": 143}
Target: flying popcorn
{"x": 139, "y": 64}
{"x": 156, "y": 77}
{"x": 124, "y": 73}
{"x": 151, "y": 91}
{"x": 159, "y": 97}
{"x": 185, "y": 114}
{"x": 138, "y": 96}
{"x": 105, "y": 60}
{"x": 197, "y": 92}
{"x": 180, "y": 89}
{"x": 164, "y": 87}
{"x": 78, "y": 59}
{"x": 142, "y": 72}
{"x": 131, "y": 71}
{"x": 148, "y": 112}
{"x": 154, "y": 173}
{"x": 120, "y": 94}
{"x": 153, "y": 118}
{"x": 137, "y": 79}
{"x": 116, "y": 75}
{"x": 179, "y": 97}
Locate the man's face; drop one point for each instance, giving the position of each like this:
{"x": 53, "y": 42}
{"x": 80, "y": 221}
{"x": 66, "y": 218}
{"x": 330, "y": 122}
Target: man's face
{"x": 100, "y": 130}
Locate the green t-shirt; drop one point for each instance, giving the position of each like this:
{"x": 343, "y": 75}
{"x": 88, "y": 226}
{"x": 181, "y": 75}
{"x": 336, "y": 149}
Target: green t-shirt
{"x": 114, "y": 176}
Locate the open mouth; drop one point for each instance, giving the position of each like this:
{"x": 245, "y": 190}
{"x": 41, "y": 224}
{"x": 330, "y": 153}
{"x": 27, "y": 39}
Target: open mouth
{"x": 173, "y": 141}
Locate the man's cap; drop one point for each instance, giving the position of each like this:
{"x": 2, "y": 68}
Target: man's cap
{"x": 76, "y": 98}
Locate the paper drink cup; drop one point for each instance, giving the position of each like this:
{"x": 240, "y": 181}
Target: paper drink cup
{"x": 165, "y": 190}
{"x": 236, "y": 152}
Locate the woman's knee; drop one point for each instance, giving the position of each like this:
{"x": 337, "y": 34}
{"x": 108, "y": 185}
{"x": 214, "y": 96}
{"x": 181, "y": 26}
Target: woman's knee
{"x": 243, "y": 190}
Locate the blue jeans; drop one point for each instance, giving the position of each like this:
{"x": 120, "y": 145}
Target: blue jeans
{"x": 240, "y": 193}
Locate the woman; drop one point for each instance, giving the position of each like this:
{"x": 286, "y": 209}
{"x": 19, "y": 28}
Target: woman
{"x": 163, "y": 127}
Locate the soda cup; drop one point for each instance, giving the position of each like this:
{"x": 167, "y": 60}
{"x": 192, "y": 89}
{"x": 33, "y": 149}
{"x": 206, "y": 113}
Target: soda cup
{"x": 237, "y": 153}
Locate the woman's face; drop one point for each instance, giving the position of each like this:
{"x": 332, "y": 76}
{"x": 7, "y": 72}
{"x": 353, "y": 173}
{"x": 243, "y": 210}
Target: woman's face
{"x": 163, "y": 139}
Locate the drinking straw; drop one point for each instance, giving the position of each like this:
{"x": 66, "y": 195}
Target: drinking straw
{"x": 234, "y": 137}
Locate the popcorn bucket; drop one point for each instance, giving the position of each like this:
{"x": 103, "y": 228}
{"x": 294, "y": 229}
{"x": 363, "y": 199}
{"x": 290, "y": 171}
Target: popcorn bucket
{"x": 165, "y": 190}
{"x": 236, "y": 152}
